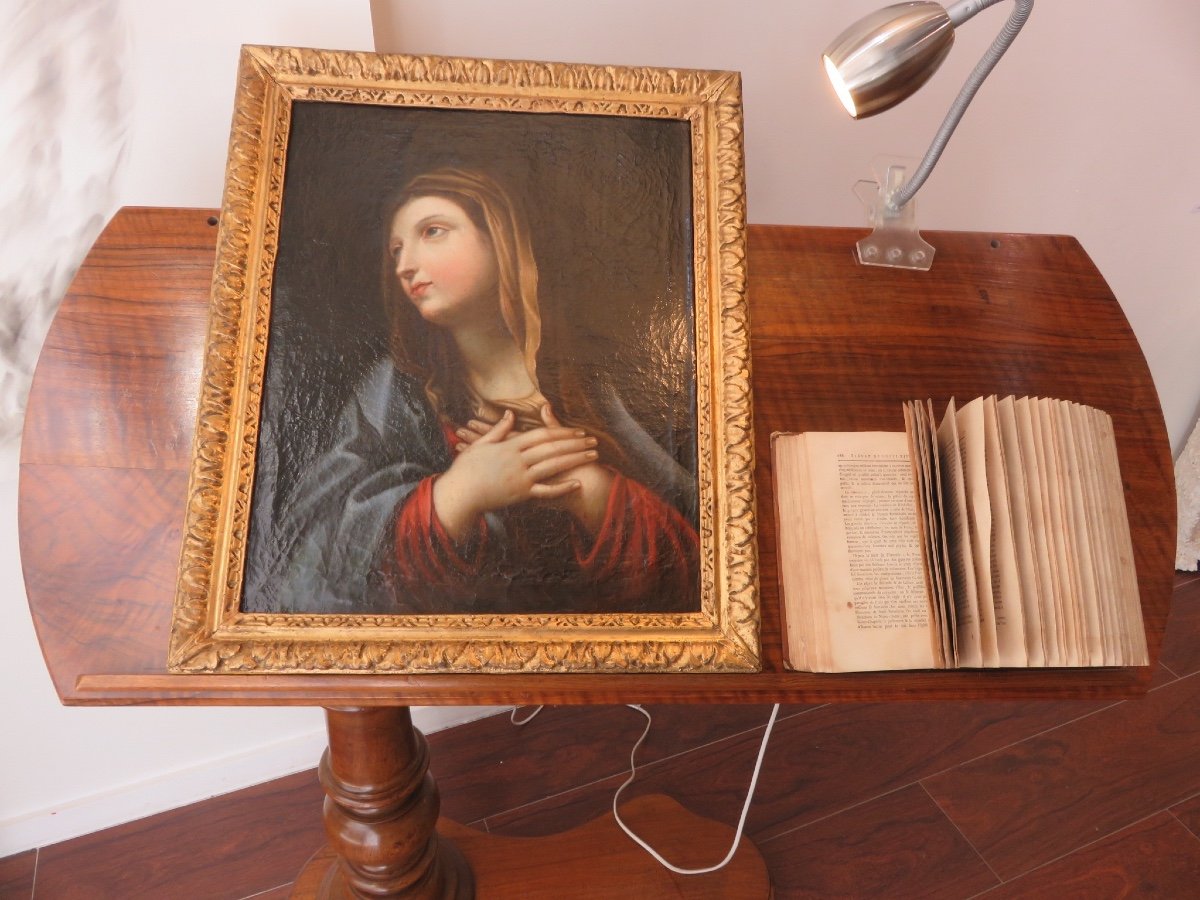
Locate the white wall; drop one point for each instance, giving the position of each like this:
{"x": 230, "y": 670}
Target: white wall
{"x": 1067, "y": 135}
{"x": 156, "y": 135}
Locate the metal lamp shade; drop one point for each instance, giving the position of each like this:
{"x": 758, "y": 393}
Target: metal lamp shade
{"x": 885, "y": 56}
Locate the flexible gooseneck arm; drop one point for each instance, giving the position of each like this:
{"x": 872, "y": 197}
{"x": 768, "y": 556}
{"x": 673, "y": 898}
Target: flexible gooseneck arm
{"x": 960, "y": 12}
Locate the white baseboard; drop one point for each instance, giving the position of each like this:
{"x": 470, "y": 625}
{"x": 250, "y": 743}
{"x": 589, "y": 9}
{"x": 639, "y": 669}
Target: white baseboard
{"x": 136, "y": 800}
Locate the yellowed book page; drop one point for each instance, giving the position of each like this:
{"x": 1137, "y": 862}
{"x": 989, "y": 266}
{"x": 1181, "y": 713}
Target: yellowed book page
{"x": 944, "y": 567}
{"x": 921, "y": 436}
{"x": 958, "y": 539}
{"x": 1006, "y": 581}
{"x": 1049, "y": 583}
{"x": 979, "y": 510}
{"x": 865, "y": 512}
{"x": 1134, "y": 628}
{"x": 1060, "y": 543}
{"x": 800, "y": 582}
{"x": 1111, "y": 500}
{"x": 1096, "y": 521}
{"x": 1021, "y": 520}
{"x": 1110, "y": 516}
{"x": 1078, "y": 536}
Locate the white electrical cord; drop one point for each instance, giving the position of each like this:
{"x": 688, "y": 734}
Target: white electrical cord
{"x": 737, "y": 837}
{"x": 512, "y": 716}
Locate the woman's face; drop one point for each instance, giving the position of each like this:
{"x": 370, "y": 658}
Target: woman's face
{"x": 445, "y": 264}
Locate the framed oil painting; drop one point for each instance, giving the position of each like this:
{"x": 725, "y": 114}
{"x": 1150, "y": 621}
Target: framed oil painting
{"x": 476, "y": 389}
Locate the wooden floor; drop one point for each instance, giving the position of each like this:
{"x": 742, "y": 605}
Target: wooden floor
{"x": 1077, "y": 799}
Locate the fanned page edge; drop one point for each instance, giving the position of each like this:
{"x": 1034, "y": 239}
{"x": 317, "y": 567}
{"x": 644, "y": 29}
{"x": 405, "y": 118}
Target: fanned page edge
{"x": 1069, "y": 610}
{"x": 957, "y": 521}
{"x": 1011, "y": 645}
{"x": 969, "y": 421}
{"x": 1033, "y": 452}
{"x": 924, "y": 461}
{"x": 792, "y": 500}
{"x": 1135, "y": 626}
{"x": 1028, "y": 565}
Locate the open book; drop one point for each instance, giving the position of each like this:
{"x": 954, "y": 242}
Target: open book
{"x": 997, "y": 537}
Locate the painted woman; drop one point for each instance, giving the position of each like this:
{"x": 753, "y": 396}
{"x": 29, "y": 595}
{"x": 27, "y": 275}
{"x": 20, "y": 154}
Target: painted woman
{"x": 477, "y": 470}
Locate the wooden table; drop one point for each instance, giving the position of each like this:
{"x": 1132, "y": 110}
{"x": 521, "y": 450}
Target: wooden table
{"x": 835, "y": 347}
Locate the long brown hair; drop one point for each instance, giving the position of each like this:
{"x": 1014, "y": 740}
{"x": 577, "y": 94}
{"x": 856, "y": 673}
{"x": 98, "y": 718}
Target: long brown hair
{"x": 428, "y": 352}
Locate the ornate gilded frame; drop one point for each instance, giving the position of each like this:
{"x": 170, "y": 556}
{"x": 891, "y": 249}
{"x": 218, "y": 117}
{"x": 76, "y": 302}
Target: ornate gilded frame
{"x": 210, "y": 632}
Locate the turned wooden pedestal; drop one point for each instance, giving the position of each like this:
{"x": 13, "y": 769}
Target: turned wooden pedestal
{"x": 835, "y": 347}
{"x": 381, "y": 806}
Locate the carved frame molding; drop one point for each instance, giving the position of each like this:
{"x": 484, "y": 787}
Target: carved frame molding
{"x": 209, "y": 631}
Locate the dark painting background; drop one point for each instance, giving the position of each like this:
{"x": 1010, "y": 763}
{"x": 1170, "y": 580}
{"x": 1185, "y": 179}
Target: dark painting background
{"x": 610, "y": 209}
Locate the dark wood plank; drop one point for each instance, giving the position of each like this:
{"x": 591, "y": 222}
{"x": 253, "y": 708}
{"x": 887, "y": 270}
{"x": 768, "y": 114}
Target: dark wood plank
{"x": 898, "y": 846}
{"x": 16, "y": 875}
{"x": 818, "y": 763}
{"x": 1156, "y": 857}
{"x": 232, "y": 846}
{"x": 710, "y": 782}
{"x": 835, "y": 346}
{"x": 1162, "y": 675}
{"x": 1052, "y": 794}
{"x": 564, "y": 748}
{"x": 597, "y": 861}
{"x": 843, "y": 754}
{"x": 283, "y": 892}
{"x": 1181, "y": 645}
{"x": 1188, "y": 812}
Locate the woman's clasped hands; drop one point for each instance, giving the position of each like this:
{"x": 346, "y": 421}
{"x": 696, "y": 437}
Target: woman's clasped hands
{"x": 496, "y": 467}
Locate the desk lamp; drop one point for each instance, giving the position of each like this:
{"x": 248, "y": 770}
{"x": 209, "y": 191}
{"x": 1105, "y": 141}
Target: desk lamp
{"x": 878, "y": 62}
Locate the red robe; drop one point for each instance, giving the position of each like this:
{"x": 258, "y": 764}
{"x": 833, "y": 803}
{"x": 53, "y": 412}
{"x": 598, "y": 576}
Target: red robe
{"x": 644, "y": 556}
